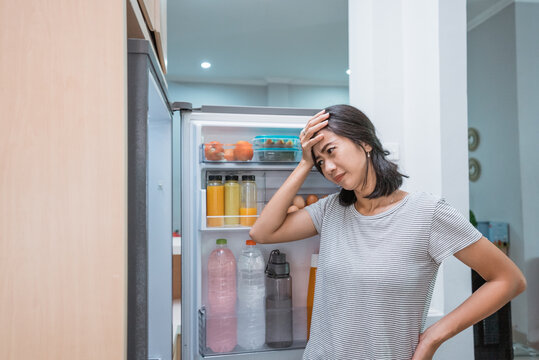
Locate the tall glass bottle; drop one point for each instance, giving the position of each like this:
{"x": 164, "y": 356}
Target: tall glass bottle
{"x": 248, "y": 208}
{"x": 215, "y": 201}
{"x": 232, "y": 200}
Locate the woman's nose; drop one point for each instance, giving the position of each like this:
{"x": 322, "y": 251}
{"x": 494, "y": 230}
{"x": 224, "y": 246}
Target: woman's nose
{"x": 329, "y": 167}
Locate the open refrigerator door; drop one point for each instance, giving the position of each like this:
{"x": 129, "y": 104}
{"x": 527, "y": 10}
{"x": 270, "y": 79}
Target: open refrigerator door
{"x": 239, "y": 144}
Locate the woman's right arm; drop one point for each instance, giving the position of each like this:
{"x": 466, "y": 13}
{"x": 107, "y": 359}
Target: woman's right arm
{"x": 274, "y": 225}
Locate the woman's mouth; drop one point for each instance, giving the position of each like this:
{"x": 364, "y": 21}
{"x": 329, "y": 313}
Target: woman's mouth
{"x": 338, "y": 178}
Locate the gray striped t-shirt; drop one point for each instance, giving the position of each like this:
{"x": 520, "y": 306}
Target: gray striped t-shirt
{"x": 376, "y": 275}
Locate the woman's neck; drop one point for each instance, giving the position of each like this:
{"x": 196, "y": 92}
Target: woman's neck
{"x": 375, "y": 206}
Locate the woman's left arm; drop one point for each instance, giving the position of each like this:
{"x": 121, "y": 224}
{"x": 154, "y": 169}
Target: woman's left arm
{"x": 504, "y": 281}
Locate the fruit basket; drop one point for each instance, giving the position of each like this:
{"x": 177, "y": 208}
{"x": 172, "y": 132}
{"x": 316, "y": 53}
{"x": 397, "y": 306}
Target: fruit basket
{"x": 276, "y": 148}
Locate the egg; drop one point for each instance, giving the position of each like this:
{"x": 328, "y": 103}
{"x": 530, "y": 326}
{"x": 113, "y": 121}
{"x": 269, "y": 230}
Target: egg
{"x": 291, "y": 209}
{"x": 298, "y": 201}
{"x": 311, "y": 199}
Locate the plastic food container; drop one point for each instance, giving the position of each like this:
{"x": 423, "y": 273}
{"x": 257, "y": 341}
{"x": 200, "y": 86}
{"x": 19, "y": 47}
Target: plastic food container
{"x": 277, "y": 148}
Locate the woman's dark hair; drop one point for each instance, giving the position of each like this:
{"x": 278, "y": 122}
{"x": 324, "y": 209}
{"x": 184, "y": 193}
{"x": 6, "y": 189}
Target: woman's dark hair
{"x": 349, "y": 122}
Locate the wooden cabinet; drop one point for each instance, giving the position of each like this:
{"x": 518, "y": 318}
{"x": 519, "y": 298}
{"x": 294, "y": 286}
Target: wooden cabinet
{"x": 63, "y": 180}
{"x": 147, "y": 19}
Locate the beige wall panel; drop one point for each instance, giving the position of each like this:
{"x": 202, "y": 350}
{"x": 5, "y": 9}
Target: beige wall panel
{"x": 62, "y": 179}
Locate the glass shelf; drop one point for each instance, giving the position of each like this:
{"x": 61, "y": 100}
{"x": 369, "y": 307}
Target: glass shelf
{"x": 249, "y": 165}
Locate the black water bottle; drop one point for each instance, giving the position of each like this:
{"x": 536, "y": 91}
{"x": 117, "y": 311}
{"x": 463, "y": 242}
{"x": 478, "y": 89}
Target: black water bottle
{"x": 278, "y": 301}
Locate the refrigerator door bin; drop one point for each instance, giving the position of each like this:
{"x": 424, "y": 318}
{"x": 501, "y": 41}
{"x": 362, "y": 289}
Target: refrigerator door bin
{"x": 299, "y": 339}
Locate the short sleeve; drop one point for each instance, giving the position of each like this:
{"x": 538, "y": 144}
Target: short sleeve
{"x": 317, "y": 211}
{"x": 450, "y": 232}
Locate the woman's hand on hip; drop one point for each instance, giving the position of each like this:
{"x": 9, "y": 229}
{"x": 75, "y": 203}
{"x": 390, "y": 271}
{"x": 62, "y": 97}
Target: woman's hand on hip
{"x": 427, "y": 346}
{"x": 316, "y": 123}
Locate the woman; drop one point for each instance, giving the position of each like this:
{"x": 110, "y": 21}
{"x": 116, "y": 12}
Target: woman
{"x": 380, "y": 248}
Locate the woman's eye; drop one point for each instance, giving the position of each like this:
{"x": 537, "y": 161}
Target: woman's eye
{"x": 320, "y": 163}
{"x": 330, "y": 150}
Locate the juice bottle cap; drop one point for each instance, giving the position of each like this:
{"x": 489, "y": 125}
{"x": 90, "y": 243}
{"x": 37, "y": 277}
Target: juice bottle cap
{"x": 220, "y": 241}
{"x": 215, "y": 177}
{"x": 248, "y": 178}
{"x": 250, "y": 242}
{"x": 231, "y": 177}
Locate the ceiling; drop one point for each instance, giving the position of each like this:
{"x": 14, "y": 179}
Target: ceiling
{"x": 262, "y": 41}
{"x": 258, "y": 41}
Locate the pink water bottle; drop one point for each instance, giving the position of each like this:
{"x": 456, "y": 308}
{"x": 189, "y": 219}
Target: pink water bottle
{"x": 221, "y": 323}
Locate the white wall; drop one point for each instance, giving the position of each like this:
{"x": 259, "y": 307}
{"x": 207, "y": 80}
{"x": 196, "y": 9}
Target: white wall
{"x": 527, "y": 47}
{"x": 503, "y": 88}
{"x": 278, "y": 95}
{"x": 492, "y": 109}
{"x": 408, "y": 73}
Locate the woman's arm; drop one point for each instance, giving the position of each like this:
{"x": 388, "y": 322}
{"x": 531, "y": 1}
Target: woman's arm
{"x": 274, "y": 224}
{"x": 504, "y": 281}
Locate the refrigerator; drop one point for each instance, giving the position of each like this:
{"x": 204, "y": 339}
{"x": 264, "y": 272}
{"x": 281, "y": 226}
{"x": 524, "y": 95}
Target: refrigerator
{"x": 228, "y": 125}
{"x": 167, "y": 176}
{"x": 153, "y": 134}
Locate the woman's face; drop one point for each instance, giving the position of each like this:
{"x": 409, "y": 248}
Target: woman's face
{"x": 341, "y": 160}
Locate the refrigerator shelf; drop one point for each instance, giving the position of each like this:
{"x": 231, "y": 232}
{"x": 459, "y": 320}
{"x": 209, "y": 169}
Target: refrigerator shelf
{"x": 204, "y": 226}
{"x": 249, "y": 165}
{"x": 298, "y": 345}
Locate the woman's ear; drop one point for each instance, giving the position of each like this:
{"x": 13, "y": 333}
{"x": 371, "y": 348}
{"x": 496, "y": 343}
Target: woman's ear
{"x": 367, "y": 147}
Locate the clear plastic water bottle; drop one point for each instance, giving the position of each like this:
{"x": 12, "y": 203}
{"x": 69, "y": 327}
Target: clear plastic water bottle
{"x": 251, "y": 298}
{"x": 221, "y": 322}
{"x": 278, "y": 301}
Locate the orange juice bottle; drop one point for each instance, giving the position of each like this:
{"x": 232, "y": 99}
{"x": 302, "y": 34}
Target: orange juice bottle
{"x": 310, "y": 291}
{"x": 248, "y": 200}
{"x": 215, "y": 201}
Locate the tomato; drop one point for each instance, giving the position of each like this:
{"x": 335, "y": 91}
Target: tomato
{"x": 214, "y": 151}
{"x": 243, "y": 151}
{"x": 229, "y": 155}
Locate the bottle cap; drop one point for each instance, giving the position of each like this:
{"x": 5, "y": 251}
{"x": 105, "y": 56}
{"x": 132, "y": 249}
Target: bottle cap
{"x": 215, "y": 177}
{"x": 277, "y": 266}
{"x": 220, "y": 241}
{"x": 250, "y": 242}
{"x": 231, "y": 177}
{"x": 248, "y": 178}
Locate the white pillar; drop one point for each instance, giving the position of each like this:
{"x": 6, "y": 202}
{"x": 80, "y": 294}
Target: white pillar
{"x": 408, "y": 73}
